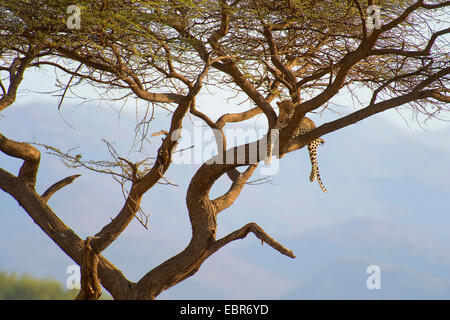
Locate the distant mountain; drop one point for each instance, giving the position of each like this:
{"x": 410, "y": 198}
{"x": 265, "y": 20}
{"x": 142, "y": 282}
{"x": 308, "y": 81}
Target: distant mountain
{"x": 335, "y": 261}
{"x": 345, "y": 280}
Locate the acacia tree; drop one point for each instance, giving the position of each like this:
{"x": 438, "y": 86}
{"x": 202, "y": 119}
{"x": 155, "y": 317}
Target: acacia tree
{"x": 165, "y": 52}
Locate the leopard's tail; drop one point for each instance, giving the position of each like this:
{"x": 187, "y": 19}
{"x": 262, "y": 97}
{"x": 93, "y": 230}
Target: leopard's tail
{"x": 312, "y": 149}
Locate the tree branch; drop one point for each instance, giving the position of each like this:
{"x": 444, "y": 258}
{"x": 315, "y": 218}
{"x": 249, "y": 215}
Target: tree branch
{"x": 16, "y": 71}
{"x": 226, "y": 200}
{"x": 440, "y": 97}
{"x": 288, "y": 75}
{"x": 26, "y": 152}
{"x": 354, "y": 117}
{"x": 418, "y": 53}
{"x": 111, "y": 278}
{"x": 57, "y": 186}
{"x": 132, "y": 81}
{"x": 230, "y": 68}
{"x": 90, "y": 285}
{"x": 363, "y": 18}
{"x": 258, "y": 232}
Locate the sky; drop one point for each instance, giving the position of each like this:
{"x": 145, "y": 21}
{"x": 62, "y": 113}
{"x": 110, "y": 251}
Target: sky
{"x": 387, "y": 205}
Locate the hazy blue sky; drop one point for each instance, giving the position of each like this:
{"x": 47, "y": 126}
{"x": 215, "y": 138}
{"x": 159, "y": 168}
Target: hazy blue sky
{"x": 387, "y": 205}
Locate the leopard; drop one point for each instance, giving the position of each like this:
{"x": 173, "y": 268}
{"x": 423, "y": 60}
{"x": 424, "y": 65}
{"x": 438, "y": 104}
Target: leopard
{"x": 286, "y": 111}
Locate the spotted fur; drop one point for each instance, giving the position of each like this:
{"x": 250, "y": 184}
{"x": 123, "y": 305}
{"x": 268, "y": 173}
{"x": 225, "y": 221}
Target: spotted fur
{"x": 308, "y": 125}
{"x": 287, "y": 109}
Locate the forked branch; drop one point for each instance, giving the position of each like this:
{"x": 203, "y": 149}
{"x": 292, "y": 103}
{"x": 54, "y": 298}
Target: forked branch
{"x": 226, "y": 200}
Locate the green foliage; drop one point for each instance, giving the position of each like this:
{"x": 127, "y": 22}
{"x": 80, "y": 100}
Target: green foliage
{"x": 13, "y": 287}
{"x": 159, "y": 45}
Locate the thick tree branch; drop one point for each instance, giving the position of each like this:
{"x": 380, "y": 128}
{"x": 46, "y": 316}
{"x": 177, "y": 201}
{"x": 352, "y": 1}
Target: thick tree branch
{"x": 354, "y": 117}
{"x": 226, "y": 200}
{"x": 441, "y": 97}
{"x": 436, "y": 5}
{"x": 223, "y": 30}
{"x": 237, "y": 117}
{"x": 432, "y": 78}
{"x": 258, "y": 232}
{"x": 90, "y": 285}
{"x": 111, "y": 278}
{"x": 26, "y": 152}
